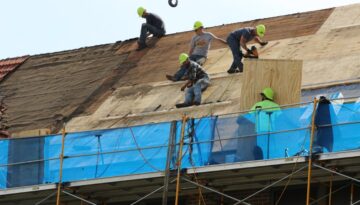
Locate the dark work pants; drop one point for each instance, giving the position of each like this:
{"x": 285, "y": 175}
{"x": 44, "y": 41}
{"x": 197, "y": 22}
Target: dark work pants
{"x": 234, "y": 45}
{"x": 145, "y": 28}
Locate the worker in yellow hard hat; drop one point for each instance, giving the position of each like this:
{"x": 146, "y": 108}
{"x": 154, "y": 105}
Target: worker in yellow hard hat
{"x": 199, "y": 48}
{"x": 198, "y": 81}
{"x": 238, "y": 39}
{"x": 154, "y": 25}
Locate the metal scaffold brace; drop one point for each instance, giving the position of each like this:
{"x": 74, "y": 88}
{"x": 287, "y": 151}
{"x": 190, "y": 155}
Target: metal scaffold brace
{"x": 60, "y": 185}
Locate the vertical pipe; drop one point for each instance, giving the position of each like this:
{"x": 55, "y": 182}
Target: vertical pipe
{"x": 310, "y": 152}
{"x": 330, "y": 189}
{"x": 184, "y": 118}
{"x": 351, "y": 193}
{"x": 172, "y": 137}
{"x": 61, "y": 166}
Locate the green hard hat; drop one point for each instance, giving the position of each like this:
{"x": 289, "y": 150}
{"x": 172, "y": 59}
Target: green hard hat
{"x": 183, "y": 57}
{"x": 141, "y": 11}
{"x": 260, "y": 30}
{"x": 268, "y": 93}
{"x": 198, "y": 24}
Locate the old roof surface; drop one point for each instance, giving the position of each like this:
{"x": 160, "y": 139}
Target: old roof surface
{"x": 88, "y": 86}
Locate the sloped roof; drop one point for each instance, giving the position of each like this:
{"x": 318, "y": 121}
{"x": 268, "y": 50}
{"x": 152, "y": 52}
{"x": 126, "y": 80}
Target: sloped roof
{"x": 89, "y": 86}
{"x": 10, "y": 64}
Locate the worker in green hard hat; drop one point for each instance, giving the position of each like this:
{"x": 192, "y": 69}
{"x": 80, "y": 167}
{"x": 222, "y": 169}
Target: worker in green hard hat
{"x": 199, "y": 48}
{"x": 198, "y": 81}
{"x": 265, "y": 112}
{"x": 267, "y": 101}
{"x": 238, "y": 39}
{"x": 154, "y": 25}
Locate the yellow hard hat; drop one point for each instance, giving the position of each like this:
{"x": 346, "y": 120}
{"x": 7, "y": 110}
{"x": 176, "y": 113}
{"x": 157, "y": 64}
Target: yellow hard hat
{"x": 260, "y": 30}
{"x": 268, "y": 93}
{"x": 198, "y": 24}
{"x": 182, "y": 58}
{"x": 141, "y": 11}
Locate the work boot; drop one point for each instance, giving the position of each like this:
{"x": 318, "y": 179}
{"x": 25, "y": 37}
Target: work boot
{"x": 232, "y": 70}
{"x": 170, "y": 77}
{"x": 141, "y": 46}
{"x": 180, "y": 105}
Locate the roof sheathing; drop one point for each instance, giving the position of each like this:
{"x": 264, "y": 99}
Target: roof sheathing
{"x": 162, "y": 58}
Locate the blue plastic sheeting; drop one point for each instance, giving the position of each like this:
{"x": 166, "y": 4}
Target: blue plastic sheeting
{"x": 257, "y": 135}
{"x": 199, "y": 133}
{"x": 261, "y": 135}
{"x": 4, "y": 144}
{"x": 120, "y": 153}
{"x": 346, "y": 125}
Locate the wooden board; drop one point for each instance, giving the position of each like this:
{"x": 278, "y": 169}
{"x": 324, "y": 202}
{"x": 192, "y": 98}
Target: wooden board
{"x": 152, "y": 103}
{"x": 31, "y": 133}
{"x": 283, "y": 76}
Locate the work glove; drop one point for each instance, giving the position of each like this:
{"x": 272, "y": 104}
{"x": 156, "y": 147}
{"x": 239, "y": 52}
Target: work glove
{"x": 264, "y": 43}
{"x": 248, "y": 51}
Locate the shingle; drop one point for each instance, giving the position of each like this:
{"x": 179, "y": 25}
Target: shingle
{"x": 10, "y": 64}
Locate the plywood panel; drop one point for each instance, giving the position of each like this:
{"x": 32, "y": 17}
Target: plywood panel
{"x": 283, "y": 76}
{"x": 342, "y": 16}
{"x": 150, "y": 103}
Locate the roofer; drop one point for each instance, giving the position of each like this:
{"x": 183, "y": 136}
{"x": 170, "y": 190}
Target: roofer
{"x": 154, "y": 25}
{"x": 199, "y": 47}
{"x": 267, "y": 101}
{"x": 265, "y": 114}
{"x": 238, "y": 39}
{"x": 198, "y": 81}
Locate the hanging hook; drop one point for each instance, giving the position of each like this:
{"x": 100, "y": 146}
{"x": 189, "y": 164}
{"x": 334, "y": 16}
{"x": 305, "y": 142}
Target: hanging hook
{"x": 173, "y": 4}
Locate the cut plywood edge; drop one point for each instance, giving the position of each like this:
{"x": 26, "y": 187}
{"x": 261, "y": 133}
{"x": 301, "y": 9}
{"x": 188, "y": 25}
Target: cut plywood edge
{"x": 31, "y": 133}
{"x": 342, "y": 16}
{"x": 147, "y": 103}
{"x": 283, "y": 76}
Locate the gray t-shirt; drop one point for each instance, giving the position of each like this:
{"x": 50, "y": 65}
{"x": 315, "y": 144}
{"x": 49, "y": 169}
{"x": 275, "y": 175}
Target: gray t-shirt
{"x": 245, "y": 32}
{"x": 201, "y": 44}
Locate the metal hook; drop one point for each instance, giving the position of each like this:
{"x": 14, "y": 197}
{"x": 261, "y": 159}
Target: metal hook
{"x": 173, "y": 4}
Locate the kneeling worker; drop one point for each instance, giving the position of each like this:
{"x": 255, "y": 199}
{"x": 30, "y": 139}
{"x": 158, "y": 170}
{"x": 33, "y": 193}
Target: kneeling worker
{"x": 198, "y": 81}
{"x": 154, "y": 25}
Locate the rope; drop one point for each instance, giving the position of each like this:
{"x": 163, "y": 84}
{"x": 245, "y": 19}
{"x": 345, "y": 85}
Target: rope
{"x": 193, "y": 132}
{"x": 140, "y": 152}
{"x": 293, "y": 169}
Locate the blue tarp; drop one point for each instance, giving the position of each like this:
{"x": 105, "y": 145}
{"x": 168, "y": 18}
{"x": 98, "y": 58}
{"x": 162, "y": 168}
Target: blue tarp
{"x": 120, "y": 153}
{"x": 4, "y": 144}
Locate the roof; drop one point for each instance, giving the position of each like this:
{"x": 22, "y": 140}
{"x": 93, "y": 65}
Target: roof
{"x": 10, "y": 64}
{"x": 85, "y": 86}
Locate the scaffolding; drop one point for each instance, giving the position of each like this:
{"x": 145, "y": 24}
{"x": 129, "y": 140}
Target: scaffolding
{"x": 179, "y": 175}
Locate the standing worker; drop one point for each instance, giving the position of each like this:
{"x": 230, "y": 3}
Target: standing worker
{"x": 198, "y": 81}
{"x": 267, "y": 101}
{"x": 199, "y": 48}
{"x": 238, "y": 39}
{"x": 154, "y": 25}
{"x": 265, "y": 114}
